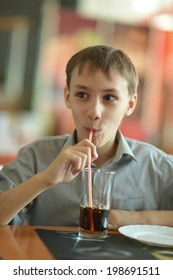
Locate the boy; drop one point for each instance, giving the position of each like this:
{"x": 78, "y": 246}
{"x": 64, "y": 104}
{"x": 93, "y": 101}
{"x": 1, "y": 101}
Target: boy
{"x": 42, "y": 186}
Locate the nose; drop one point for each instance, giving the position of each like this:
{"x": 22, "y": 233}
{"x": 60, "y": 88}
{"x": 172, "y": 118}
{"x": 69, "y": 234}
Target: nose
{"x": 95, "y": 109}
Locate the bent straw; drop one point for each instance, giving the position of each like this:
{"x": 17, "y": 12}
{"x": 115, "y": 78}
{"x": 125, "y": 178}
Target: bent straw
{"x": 90, "y": 185}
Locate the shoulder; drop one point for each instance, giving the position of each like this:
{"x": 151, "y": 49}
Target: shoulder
{"x": 34, "y": 157}
{"x": 143, "y": 150}
{"x": 43, "y": 150}
{"x": 49, "y": 142}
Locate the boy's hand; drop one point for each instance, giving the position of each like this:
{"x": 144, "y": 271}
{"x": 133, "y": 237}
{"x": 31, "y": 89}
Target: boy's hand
{"x": 69, "y": 163}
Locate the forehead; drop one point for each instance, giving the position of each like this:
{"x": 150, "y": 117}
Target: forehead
{"x": 97, "y": 79}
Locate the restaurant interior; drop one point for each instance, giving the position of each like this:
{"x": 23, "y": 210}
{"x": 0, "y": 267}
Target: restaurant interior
{"x": 37, "y": 37}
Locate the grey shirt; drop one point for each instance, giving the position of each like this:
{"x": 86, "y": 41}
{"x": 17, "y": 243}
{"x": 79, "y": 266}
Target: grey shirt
{"x": 143, "y": 180}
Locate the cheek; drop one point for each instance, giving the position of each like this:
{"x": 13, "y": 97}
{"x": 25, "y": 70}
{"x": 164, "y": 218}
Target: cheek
{"x": 122, "y": 110}
{"x": 115, "y": 116}
{"x": 116, "y": 113}
{"x": 77, "y": 113}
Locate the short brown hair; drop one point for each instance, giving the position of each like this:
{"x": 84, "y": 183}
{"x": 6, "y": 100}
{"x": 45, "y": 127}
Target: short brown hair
{"x": 105, "y": 58}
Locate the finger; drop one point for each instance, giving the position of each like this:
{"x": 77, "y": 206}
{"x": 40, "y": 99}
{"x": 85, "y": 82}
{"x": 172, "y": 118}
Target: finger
{"x": 112, "y": 227}
{"x": 77, "y": 160}
{"x": 87, "y": 143}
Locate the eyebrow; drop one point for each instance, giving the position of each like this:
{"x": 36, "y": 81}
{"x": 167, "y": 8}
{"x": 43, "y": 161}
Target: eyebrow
{"x": 81, "y": 86}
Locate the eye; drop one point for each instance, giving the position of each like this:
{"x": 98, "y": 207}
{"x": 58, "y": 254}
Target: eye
{"x": 109, "y": 97}
{"x": 82, "y": 94}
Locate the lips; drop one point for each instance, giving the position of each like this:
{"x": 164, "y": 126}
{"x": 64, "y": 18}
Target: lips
{"x": 95, "y": 130}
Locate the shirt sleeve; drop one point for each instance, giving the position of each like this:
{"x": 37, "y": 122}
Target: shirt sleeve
{"x": 14, "y": 173}
{"x": 166, "y": 201}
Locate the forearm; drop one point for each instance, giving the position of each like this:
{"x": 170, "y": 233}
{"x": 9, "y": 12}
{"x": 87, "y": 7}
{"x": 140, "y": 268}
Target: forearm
{"x": 157, "y": 217}
{"x": 15, "y": 199}
{"x": 120, "y": 218}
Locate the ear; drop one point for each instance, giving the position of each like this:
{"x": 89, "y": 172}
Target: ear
{"x": 131, "y": 105}
{"x": 67, "y": 97}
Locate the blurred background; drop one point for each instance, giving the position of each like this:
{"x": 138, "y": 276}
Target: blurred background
{"x": 37, "y": 37}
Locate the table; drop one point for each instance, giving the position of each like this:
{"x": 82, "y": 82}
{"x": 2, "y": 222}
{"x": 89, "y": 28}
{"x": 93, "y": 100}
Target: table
{"x": 24, "y": 243}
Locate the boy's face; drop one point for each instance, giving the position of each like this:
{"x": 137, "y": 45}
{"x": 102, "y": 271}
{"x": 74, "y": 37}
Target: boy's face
{"x": 98, "y": 103}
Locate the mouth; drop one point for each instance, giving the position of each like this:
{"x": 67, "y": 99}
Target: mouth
{"x": 95, "y": 131}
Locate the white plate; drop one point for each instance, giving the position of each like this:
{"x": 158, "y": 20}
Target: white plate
{"x": 149, "y": 234}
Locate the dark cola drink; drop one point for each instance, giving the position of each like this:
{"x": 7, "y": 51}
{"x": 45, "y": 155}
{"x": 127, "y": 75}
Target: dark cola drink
{"x": 93, "y": 219}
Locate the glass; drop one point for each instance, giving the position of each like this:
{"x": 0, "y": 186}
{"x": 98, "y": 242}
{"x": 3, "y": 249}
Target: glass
{"x": 94, "y": 207}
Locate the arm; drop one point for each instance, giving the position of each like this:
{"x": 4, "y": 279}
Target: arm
{"x": 118, "y": 218}
{"x": 64, "y": 168}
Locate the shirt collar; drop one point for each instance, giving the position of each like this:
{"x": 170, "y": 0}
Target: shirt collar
{"x": 123, "y": 148}
{"x": 72, "y": 139}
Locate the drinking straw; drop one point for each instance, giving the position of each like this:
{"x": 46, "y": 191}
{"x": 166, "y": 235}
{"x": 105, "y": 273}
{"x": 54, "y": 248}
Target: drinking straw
{"x": 90, "y": 186}
{"x": 89, "y": 173}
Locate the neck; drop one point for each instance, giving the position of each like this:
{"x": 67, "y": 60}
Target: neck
{"x": 105, "y": 153}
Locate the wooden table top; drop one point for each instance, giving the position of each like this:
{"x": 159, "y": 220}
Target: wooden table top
{"x": 24, "y": 243}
